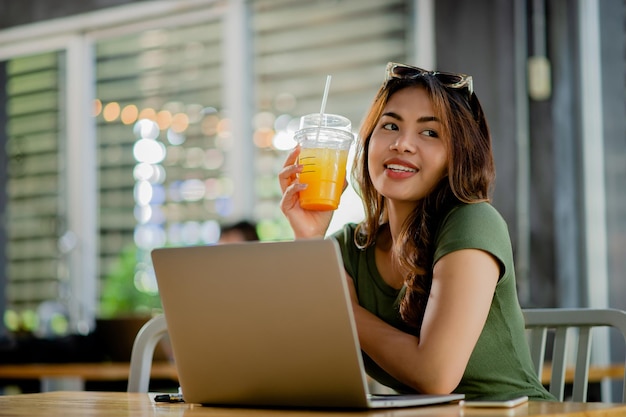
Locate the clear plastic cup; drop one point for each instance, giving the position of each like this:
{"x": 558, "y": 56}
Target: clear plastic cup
{"x": 324, "y": 155}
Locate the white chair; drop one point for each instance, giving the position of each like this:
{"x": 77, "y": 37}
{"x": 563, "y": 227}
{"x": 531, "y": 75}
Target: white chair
{"x": 143, "y": 350}
{"x": 559, "y": 320}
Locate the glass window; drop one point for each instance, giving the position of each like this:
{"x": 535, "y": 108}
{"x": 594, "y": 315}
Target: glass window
{"x": 36, "y": 253}
{"x": 163, "y": 143}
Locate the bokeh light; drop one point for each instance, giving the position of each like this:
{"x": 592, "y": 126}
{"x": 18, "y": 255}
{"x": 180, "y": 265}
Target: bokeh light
{"x": 145, "y": 281}
{"x": 149, "y": 151}
{"x": 12, "y": 320}
{"x": 142, "y": 213}
{"x": 146, "y": 129}
{"x": 143, "y": 193}
{"x": 283, "y": 141}
{"x": 263, "y": 137}
{"x": 194, "y": 157}
{"x": 213, "y": 188}
{"x": 111, "y": 111}
{"x": 180, "y": 122}
{"x": 149, "y": 236}
{"x": 209, "y": 125}
{"x": 97, "y": 107}
{"x": 143, "y": 171}
{"x": 224, "y": 206}
{"x": 147, "y": 113}
{"x": 175, "y": 138}
{"x": 190, "y": 233}
{"x": 210, "y": 232}
{"x": 192, "y": 190}
{"x": 129, "y": 114}
{"x": 164, "y": 119}
{"x": 282, "y": 122}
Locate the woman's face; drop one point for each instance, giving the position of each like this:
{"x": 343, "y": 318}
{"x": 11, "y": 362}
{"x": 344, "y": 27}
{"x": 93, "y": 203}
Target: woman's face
{"x": 407, "y": 155}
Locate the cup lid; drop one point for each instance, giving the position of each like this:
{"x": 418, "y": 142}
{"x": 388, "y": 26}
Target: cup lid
{"x": 333, "y": 121}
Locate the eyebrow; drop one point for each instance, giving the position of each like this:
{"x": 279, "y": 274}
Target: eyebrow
{"x": 423, "y": 119}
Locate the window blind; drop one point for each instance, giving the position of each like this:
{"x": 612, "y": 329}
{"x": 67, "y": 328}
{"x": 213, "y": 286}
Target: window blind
{"x": 35, "y": 209}
{"x": 160, "y": 92}
{"x": 296, "y": 45}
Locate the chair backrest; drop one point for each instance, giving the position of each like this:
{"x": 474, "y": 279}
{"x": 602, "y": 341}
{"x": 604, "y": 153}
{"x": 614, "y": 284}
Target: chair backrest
{"x": 538, "y": 322}
{"x": 143, "y": 350}
{"x": 559, "y": 320}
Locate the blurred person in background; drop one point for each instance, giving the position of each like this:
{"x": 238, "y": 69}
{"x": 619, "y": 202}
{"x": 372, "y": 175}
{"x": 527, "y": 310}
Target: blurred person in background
{"x": 243, "y": 231}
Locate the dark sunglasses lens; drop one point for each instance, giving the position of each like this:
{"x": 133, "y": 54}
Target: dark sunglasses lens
{"x": 449, "y": 79}
{"x": 405, "y": 72}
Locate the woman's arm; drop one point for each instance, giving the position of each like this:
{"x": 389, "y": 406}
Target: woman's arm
{"x": 462, "y": 290}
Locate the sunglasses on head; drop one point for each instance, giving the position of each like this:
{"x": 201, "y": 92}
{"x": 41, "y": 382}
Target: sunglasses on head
{"x": 447, "y": 79}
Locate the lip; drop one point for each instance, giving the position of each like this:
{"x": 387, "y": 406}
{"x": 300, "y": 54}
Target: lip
{"x": 396, "y": 168}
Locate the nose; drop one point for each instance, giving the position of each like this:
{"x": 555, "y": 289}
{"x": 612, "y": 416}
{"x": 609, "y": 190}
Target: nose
{"x": 404, "y": 143}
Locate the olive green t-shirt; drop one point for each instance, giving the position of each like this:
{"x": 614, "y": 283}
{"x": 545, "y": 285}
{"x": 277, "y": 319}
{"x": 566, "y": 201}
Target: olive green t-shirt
{"x": 500, "y": 362}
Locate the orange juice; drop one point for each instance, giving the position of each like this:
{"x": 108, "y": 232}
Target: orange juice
{"x": 324, "y": 173}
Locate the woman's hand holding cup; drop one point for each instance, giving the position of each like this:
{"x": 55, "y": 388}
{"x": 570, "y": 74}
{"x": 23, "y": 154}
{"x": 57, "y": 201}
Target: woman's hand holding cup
{"x": 306, "y": 224}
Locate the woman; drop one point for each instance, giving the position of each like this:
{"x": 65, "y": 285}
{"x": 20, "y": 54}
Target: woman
{"x": 430, "y": 269}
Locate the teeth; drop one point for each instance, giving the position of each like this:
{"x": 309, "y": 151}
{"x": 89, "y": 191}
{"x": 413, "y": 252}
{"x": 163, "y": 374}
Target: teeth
{"x": 402, "y": 168}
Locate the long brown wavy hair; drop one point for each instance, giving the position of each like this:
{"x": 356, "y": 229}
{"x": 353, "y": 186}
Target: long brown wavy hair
{"x": 469, "y": 179}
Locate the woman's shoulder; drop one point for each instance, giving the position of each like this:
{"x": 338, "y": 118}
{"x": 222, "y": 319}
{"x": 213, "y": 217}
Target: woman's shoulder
{"x": 476, "y": 211}
{"x": 474, "y": 217}
{"x": 476, "y": 225}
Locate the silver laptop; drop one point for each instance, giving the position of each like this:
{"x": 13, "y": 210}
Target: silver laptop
{"x": 266, "y": 324}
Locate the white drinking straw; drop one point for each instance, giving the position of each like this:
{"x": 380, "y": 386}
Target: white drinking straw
{"x": 324, "y": 97}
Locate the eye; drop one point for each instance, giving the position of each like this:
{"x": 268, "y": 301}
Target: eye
{"x": 390, "y": 126}
{"x": 431, "y": 133}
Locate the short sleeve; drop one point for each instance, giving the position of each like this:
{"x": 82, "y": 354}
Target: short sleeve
{"x": 475, "y": 226}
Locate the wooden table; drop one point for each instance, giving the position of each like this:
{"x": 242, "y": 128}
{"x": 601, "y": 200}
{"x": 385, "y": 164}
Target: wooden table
{"x": 55, "y": 376}
{"x": 121, "y": 404}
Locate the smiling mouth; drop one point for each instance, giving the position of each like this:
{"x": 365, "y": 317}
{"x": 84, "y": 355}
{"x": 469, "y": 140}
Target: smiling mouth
{"x": 399, "y": 168}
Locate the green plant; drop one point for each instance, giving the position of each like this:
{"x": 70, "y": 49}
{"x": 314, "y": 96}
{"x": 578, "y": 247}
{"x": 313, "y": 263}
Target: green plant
{"x": 125, "y": 291}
